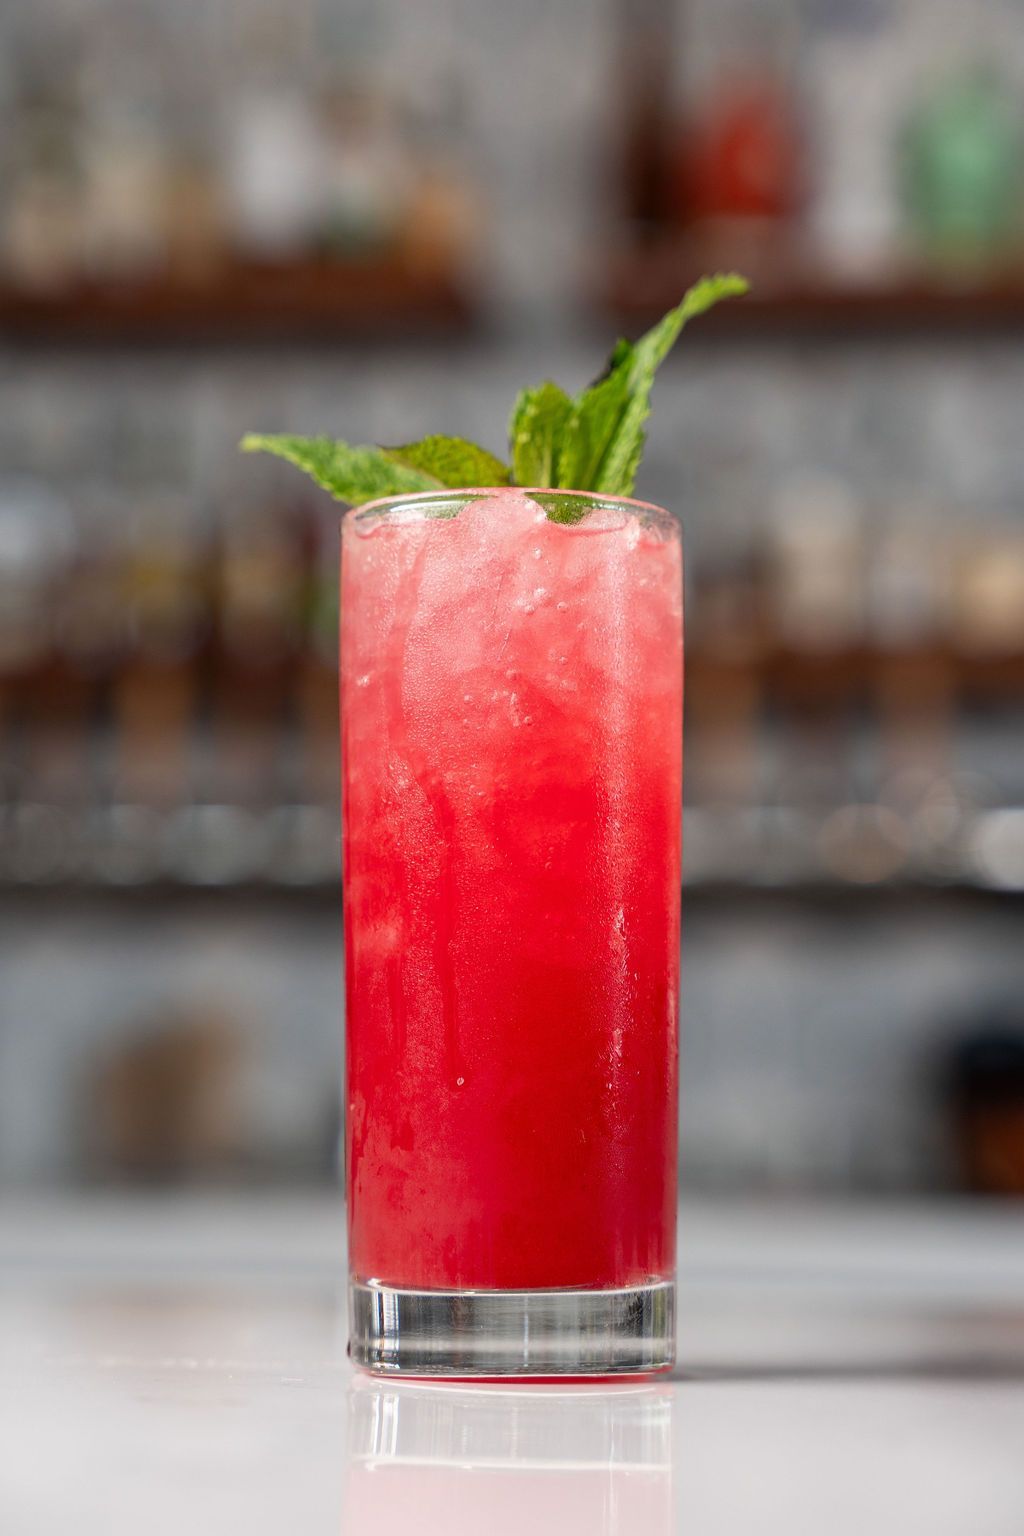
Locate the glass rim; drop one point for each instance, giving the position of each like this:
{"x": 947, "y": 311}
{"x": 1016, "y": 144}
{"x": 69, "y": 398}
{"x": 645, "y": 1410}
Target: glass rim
{"x": 446, "y": 495}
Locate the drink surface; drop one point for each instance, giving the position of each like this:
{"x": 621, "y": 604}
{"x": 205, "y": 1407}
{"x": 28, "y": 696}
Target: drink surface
{"x": 512, "y": 761}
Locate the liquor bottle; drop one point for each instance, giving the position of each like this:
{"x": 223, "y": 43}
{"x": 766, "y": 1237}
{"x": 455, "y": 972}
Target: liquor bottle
{"x": 260, "y": 581}
{"x": 817, "y": 559}
{"x": 742, "y": 171}
{"x": 42, "y": 757}
{"x": 317, "y": 685}
{"x": 272, "y": 153}
{"x": 725, "y": 694}
{"x": 163, "y": 592}
{"x": 858, "y": 65}
{"x": 40, "y": 223}
{"x": 913, "y": 675}
{"x": 961, "y": 179}
{"x": 746, "y": 151}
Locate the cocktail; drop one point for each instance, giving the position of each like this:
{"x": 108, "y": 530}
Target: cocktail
{"x": 511, "y": 705}
{"x": 512, "y": 742}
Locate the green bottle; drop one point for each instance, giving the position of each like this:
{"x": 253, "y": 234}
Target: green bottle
{"x": 960, "y": 170}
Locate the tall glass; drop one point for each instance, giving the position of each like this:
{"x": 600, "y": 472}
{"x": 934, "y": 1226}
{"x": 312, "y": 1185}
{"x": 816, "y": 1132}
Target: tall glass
{"x": 511, "y": 693}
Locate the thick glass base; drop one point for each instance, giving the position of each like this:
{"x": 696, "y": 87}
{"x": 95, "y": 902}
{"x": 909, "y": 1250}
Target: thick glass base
{"x": 512, "y": 1333}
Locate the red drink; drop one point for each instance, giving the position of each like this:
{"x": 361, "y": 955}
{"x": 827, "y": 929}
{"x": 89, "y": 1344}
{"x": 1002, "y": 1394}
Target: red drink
{"x": 512, "y": 746}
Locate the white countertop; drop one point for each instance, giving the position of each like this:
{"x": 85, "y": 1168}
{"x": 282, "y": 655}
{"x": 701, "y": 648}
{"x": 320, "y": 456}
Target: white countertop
{"x": 178, "y": 1366}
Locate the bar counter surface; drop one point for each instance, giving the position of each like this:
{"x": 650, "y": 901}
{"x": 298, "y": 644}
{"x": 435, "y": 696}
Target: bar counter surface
{"x": 178, "y": 1366}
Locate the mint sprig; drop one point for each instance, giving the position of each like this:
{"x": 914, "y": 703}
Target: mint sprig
{"x": 593, "y": 442}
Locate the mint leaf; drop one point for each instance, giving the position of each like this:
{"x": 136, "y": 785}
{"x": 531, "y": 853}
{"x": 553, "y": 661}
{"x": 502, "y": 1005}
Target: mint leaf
{"x": 606, "y": 428}
{"x": 617, "y": 476}
{"x": 451, "y": 461}
{"x": 535, "y": 434}
{"x": 593, "y": 421}
{"x": 620, "y": 469}
{"x": 353, "y": 475}
{"x": 651, "y": 350}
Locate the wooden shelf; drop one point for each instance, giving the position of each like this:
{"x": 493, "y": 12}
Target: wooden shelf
{"x": 314, "y": 301}
{"x": 727, "y": 889}
{"x": 764, "y": 663}
{"x": 980, "y": 677}
{"x": 643, "y": 280}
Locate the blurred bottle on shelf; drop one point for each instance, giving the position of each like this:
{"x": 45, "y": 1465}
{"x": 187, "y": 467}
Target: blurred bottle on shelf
{"x": 987, "y": 599}
{"x": 270, "y": 148}
{"x": 443, "y": 215}
{"x": 909, "y": 577}
{"x": 960, "y": 172}
{"x": 45, "y": 708}
{"x": 163, "y": 579}
{"x": 125, "y": 176}
{"x": 317, "y": 686}
{"x": 271, "y": 173}
{"x": 37, "y": 545}
{"x": 742, "y": 176}
{"x": 261, "y": 580}
{"x": 367, "y": 172}
{"x": 857, "y": 63}
{"x": 165, "y": 1104}
{"x": 92, "y": 625}
{"x": 914, "y": 681}
{"x": 40, "y": 223}
{"x": 744, "y": 162}
{"x": 984, "y": 1083}
{"x": 642, "y": 97}
{"x": 816, "y": 559}
{"x": 725, "y": 693}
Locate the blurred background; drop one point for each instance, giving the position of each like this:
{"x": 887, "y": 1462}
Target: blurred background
{"x": 377, "y": 219}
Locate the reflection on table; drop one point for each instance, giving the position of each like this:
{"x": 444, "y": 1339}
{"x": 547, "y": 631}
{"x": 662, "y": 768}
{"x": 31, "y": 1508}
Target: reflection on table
{"x": 582, "y": 1460}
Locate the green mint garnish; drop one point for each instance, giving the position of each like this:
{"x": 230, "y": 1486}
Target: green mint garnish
{"x": 350, "y": 474}
{"x": 591, "y": 443}
{"x": 594, "y": 419}
{"x": 535, "y": 433}
{"x": 617, "y": 475}
{"x": 363, "y": 474}
{"x": 450, "y": 462}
